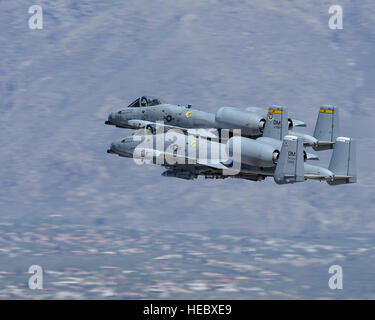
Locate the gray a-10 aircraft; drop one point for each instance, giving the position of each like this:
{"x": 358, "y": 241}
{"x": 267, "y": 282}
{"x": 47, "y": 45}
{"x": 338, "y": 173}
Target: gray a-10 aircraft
{"x": 277, "y": 153}
{"x": 145, "y": 111}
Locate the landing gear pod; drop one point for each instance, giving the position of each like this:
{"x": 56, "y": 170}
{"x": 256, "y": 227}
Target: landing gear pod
{"x": 251, "y": 124}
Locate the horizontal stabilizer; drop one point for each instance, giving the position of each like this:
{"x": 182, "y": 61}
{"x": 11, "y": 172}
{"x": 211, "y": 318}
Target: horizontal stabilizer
{"x": 328, "y": 144}
{"x": 306, "y": 138}
{"x": 311, "y": 156}
{"x": 315, "y": 177}
{"x": 298, "y": 123}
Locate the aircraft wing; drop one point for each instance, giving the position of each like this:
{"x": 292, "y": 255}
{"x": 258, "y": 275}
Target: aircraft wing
{"x": 207, "y": 133}
{"x": 217, "y": 164}
{"x": 147, "y": 155}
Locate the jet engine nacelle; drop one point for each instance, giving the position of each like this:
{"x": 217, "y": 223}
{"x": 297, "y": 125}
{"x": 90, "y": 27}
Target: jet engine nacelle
{"x": 232, "y": 118}
{"x": 253, "y": 152}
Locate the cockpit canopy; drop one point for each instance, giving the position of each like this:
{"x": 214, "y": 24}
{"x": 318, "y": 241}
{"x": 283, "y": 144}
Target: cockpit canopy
{"x": 145, "y": 101}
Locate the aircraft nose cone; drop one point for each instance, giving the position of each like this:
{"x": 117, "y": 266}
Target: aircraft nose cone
{"x": 113, "y": 148}
{"x": 116, "y": 146}
{"x": 111, "y": 118}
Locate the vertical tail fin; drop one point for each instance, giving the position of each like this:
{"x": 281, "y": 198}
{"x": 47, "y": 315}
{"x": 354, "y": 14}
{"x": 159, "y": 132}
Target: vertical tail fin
{"x": 290, "y": 165}
{"x": 343, "y": 162}
{"x": 327, "y": 127}
{"x": 276, "y": 126}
